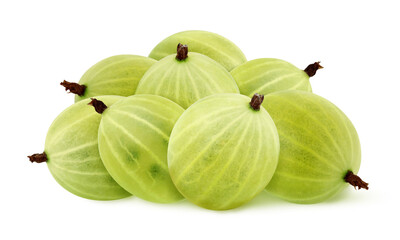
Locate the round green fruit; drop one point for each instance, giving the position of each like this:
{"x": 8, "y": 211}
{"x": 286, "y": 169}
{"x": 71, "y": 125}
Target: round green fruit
{"x": 116, "y": 75}
{"x": 72, "y": 155}
{"x": 133, "y": 142}
{"x": 320, "y": 150}
{"x": 210, "y": 44}
{"x": 186, "y": 77}
{"x": 267, "y": 75}
{"x": 223, "y": 151}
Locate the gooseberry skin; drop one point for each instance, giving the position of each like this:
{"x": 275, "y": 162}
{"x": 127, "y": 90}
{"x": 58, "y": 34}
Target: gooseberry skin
{"x": 319, "y": 145}
{"x": 72, "y": 153}
{"x": 116, "y": 75}
{"x": 186, "y": 81}
{"x": 210, "y": 44}
{"x": 222, "y": 153}
{"x": 268, "y": 75}
{"x": 133, "y": 143}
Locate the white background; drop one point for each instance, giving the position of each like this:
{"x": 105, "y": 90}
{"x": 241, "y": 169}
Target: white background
{"x": 45, "y": 42}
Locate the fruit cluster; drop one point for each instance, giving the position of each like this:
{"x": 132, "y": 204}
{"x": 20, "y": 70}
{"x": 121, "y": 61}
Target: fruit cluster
{"x": 191, "y": 121}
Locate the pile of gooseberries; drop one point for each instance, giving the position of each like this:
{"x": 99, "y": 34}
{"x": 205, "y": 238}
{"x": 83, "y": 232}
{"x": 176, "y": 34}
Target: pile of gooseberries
{"x": 195, "y": 120}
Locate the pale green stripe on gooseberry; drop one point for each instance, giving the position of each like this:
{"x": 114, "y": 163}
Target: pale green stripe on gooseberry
{"x": 194, "y": 70}
{"x": 253, "y": 167}
{"x": 341, "y": 116}
{"x": 205, "y": 149}
{"x": 274, "y": 81}
{"x": 147, "y": 100}
{"x": 152, "y": 84}
{"x": 223, "y": 72}
{"x": 309, "y": 150}
{"x": 309, "y": 133}
{"x": 55, "y": 139}
{"x": 247, "y": 68}
{"x": 73, "y": 149}
{"x": 177, "y": 94}
{"x": 355, "y": 160}
{"x": 138, "y": 142}
{"x": 192, "y": 85}
{"x": 224, "y": 112}
{"x": 267, "y": 73}
{"x": 228, "y": 163}
{"x": 165, "y": 76}
{"x": 288, "y": 175}
{"x": 318, "y": 123}
{"x": 92, "y": 173}
{"x": 218, "y": 157}
{"x": 121, "y": 164}
{"x": 147, "y": 123}
{"x": 335, "y": 123}
{"x": 101, "y": 70}
{"x": 298, "y": 85}
{"x": 151, "y": 113}
{"x": 112, "y": 82}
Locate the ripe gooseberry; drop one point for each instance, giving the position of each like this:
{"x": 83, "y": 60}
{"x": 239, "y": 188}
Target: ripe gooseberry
{"x": 72, "y": 155}
{"x": 320, "y": 151}
{"x": 186, "y": 77}
{"x": 116, "y": 75}
{"x": 133, "y": 141}
{"x": 267, "y": 75}
{"x": 223, "y": 151}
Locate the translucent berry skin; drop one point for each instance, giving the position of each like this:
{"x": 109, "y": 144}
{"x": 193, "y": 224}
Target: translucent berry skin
{"x": 73, "y": 156}
{"x": 222, "y": 152}
{"x": 133, "y": 142}
{"x": 210, "y": 44}
{"x": 268, "y": 75}
{"x": 116, "y": 75}
{"x": 319, "y": 145}
{"x": 186, "y": 81}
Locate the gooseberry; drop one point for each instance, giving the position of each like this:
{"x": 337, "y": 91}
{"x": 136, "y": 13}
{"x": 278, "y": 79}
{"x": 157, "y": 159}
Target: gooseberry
{"x": 186, "y": 77}
{"x": 133, "y": 140}
{"x": 223, "y": 151}
{"x": 267, "y": 75}
{"x": 116, "y": 75}
{"x": 320, "y": 151}
{"x": 72, "y": 155}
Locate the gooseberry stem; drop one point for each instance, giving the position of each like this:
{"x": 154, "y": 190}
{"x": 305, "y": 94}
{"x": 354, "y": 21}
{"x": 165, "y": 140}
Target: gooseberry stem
{"x": 98, "y": 105}
{"x": 74, "y": 88}
{"x": 181, "y": 52}
{"x": 256, "y": 101}
{"x": 38, "y": 157}
{"x": 355, "y": 181}
{"x": 312, "y": 69}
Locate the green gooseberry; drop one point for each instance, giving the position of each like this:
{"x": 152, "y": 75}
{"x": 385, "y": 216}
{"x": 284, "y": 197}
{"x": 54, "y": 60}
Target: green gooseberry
{"x": 186, "y": 77}
{"x": 72, "y": 155}
{"x": 223, "y": 151}
{"x": 133, "y": 141}
{"x": 210, "y": 44}
{"x": 268, "y": 75}
{"x": 320, "y": 151}
{"x": 116, "y": 75}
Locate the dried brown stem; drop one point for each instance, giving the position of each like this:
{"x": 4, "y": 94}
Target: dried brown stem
{"x": 181, "y": 52}
{"x": 38, "y": 157}
{"x": 256, "y": 101}
{"x": 312, "y": 69}
{"x": 98, "y": 105}
{"x": 355, "y": 181}
{"x": 74, "y": 87}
